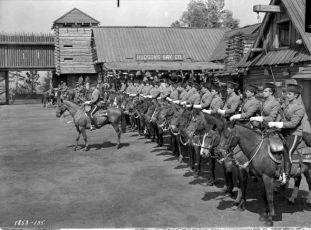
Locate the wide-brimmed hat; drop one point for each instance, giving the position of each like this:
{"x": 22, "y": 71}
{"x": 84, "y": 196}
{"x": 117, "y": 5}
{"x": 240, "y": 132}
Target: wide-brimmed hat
{"x": 269, "y": 85}
{"x": 252, "y": 88}
{"x": 232, "y": 85}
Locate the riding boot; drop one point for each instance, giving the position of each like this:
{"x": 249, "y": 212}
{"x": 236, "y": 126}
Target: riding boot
{"x": 92, "y": 124}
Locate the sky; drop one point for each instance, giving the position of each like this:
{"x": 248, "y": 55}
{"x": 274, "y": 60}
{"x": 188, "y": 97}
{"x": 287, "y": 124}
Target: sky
{"x": 38, "y": 15}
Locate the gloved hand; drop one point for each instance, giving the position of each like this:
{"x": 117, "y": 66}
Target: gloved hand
{"x": 235, "y": 117}
{"x": 183, "y": 103}
{"x": 87, "y": 102}
{"x": 278, "y": 125}
{"x": 176, "y": 102}
{"x": 188, "y": 105}
{"x": 208, "y": 111}
{"x": 221, "y": 111}
{"x": 159, "y": 98}
{"x": 197, "y": 106}
{"x": 169, "y": 99}
{"x": 259, "y": 119}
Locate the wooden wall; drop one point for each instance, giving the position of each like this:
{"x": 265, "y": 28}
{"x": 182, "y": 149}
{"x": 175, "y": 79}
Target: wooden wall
{"x": 73, "y": 51}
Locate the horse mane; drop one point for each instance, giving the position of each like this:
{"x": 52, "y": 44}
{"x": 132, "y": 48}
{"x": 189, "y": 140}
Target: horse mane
{"x": 249, "y": 128}
{"x": 215, "y": 119}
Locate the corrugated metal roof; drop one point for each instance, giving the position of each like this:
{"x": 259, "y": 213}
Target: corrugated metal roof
{"x": 121, "y": 44}
{"x": 26, "y": 38}
{"x": 76, "y": 16}
{"x": 296, "y": 10}
{"x": 163, "y": 65}
{"x": 276, "y": 57}
{"x": 250, "y": 31}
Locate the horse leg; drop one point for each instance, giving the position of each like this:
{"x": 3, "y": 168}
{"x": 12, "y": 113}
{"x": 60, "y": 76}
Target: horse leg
{"x": 118, "y": 131}
{"x": 212, "y": 166}
{"x": 307, "y": 174}
{"x": 77, "y": 138}
{"x": 294, "y": 195}
{"x": 197, "y": 160}
{"x": 227, "y": 166}
{"x": 180, "y": 158}
{"x": 83, "y": 131}
{"x": 242, "y": 185}
{"x": 268, "y": 182}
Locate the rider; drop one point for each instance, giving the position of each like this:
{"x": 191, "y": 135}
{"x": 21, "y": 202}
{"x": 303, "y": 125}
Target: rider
{"x": 154, "y": 91}
{"x": 123, "y": 86}
{"x": 291, "y": 125}
{"x": 232, "y": 102}
{"x": 216, "y": 102}
{"x": 270, "y": 108}
{"x": 94, "y": 102}
{"x": 174, "y": 95}
{"x": 195, "y": 97}
{"x": 206, "y": 97}
{"x": 231, "y": 106}
{"x": 250, "y": 106}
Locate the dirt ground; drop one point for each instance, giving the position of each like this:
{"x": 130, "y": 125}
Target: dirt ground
{"x": 42, "y": 178}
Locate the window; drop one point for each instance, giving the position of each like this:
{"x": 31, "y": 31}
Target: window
{"x": 284, "y": 38}
{"x": 68, "y": 59}
{"x": 68, "y": 46}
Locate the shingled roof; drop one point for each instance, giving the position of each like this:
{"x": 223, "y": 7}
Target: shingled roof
{"x": 121, "y": 44}
{"x": 249, "y": 31}
{"x": 76, "y": 16}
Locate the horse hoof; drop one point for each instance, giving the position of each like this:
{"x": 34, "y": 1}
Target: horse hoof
{"x": 263, "y": 217}
{"x": 86, "y": 149}
{"x": 269, "y": 222}
{"x": 196, "y": 175}
{"x": 75, "y": 149}
{"x": 118, "y": 146}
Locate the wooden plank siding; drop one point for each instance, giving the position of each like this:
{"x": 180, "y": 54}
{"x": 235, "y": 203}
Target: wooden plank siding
{"x": 73, "y": 51}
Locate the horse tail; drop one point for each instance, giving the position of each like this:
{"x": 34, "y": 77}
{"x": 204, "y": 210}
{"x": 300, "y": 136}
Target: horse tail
{"x": 123, "y": 122}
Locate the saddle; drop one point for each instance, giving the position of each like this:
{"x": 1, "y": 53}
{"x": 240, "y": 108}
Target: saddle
{"x": 276, "y": 144}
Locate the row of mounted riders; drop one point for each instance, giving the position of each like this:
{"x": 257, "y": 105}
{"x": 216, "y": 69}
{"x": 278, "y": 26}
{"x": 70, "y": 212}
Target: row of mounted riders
{"x": 210, "y": 136}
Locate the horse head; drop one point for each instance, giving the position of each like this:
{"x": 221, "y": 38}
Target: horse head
{"x": 210, "y": 140}
{"x": 228, "y": 141}
{"x": 60, "y": 108}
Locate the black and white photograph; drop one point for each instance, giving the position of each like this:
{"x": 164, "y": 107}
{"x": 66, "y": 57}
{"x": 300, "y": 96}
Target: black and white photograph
{"x": 155, "y": 114}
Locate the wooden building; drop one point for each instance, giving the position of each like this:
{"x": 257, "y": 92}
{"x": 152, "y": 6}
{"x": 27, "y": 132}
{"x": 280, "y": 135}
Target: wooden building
{"x": 73, "y": 56}
{"x": 281, "y": 52}
{"x": 234, "y": 45}
{"x": 23, "y": 52}
{"x": 155, "y": 48}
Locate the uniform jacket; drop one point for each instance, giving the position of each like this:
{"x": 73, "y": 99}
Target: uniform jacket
{"x": 183, "y": 95}
{"x": 165, "y": 92}
{"x": 155, "y": 92}
{"x": 95, "y": 96}
{"x": 129, "y": 89}
{"x": 292, "y": 118}
{"x": 216, "y": 103}
{"x": 232, "y": 103}
{"x": 174, "y": 95}
{"x": 123, "y": 87}
{"x": 270, "y": 109}
{"x": 206, "y": 99}
{"x": 194, "y": 98}
{"x": 250, "y": 107}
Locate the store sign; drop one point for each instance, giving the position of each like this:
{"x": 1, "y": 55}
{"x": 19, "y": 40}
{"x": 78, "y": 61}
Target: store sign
{"x": 159, "y": 57}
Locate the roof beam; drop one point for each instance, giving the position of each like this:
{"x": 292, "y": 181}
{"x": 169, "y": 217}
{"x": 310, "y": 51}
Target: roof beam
{"x": 267, "y": 9}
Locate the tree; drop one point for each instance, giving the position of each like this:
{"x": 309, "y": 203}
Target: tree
{"x": 207, "y": 14}
{"x": 176, "y": 24}
{"x": 47, "y": 82}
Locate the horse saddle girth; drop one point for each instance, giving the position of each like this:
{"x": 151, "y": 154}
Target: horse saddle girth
{"x": 276, "y": 144}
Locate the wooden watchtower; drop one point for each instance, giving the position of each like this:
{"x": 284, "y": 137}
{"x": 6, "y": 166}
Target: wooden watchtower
{"x": 73, "y": 56}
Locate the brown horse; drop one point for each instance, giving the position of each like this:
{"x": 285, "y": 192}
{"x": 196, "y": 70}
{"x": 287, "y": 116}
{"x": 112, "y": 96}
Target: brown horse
{"x": 82, "y": 121}
{"x": 255, "y": 156}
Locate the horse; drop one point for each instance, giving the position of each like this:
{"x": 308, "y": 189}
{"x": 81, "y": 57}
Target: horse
{"x": 204, "y": 136}
{"x": 48, "y": 98}
{"x": 82, "y": 121}
{"x": 258, "y": 159}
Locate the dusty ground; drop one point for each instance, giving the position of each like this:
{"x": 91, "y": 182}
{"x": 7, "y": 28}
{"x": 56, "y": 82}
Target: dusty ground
{"x": 42, "y": 178}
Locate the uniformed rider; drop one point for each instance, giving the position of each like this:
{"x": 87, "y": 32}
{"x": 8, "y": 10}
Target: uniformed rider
{"x": 291, "y": 125}
{"x": 94, "y": 102}
{"x": 250, "y": 107}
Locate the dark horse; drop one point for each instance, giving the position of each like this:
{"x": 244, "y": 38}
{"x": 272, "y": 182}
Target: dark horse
{"x": 204, "y": 132}
{"x": 256, "y": 157}
{"x": 114, "y": 117}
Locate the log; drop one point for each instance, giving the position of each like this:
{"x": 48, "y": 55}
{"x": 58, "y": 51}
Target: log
{"x": 267, "y": 9}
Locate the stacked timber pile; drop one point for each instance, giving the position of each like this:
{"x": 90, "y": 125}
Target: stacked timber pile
{"x": 234, "y": 51}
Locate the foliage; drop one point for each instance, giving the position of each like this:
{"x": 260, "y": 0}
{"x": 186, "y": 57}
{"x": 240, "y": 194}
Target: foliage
{"x": 176, "y": 24}
{"x": 207, "y": 14}
{"x": 25, "y": 84}
{"x": 47, "y": 82}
